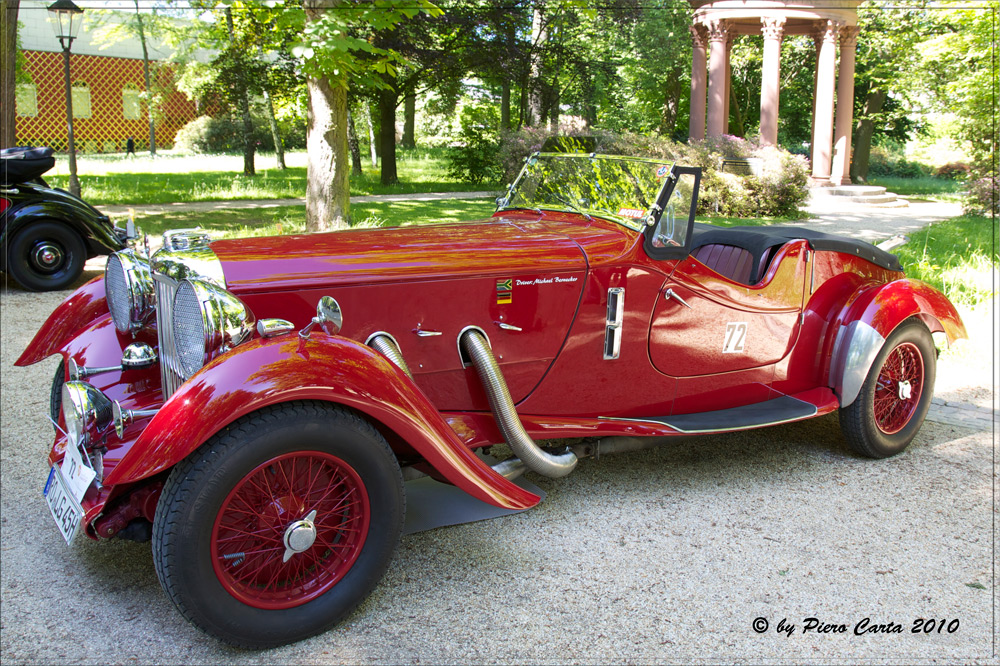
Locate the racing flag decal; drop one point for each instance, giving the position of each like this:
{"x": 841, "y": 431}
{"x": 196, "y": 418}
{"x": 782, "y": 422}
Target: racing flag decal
{"x": 504, "y": 291}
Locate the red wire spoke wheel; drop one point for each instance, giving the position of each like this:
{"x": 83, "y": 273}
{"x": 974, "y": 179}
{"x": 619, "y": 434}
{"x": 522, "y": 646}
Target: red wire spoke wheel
{"x": 269, "y": 508}
{"x": 895, "y": 396}
{"x": 898, "y": 389}
{"x": 264, "y": 535}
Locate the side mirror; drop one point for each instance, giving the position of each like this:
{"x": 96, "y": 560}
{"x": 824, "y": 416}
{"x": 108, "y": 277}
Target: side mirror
{"x": 328, "y": 317}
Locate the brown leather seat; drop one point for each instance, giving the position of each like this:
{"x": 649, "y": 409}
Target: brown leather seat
{"x": 730, "y": 261}
{"x": 734, "y": 262}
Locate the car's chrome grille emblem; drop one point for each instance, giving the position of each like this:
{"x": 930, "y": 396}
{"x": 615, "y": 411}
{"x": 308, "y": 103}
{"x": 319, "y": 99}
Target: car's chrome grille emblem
{"x": 170, "y": 372}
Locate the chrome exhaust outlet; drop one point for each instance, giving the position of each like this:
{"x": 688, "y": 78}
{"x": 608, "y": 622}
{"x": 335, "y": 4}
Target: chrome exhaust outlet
{"x": 474, "y": 344}
{"x": 386, "y": 345}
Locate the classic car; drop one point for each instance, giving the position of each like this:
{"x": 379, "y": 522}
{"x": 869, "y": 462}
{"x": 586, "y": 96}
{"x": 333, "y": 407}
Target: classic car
{"x": 47, "y": 234}
{"x": 254, "y": 405}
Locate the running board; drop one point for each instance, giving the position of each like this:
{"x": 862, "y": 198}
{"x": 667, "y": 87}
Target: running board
{"x": 770, "y": 412}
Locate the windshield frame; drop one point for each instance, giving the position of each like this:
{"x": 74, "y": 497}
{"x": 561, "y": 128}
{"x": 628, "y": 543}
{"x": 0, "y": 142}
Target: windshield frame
{"x": 649, "y": 218}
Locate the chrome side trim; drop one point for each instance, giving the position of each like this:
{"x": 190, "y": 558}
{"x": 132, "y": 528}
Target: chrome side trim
{"x": 458, "y": 343}
{"x": 854, "y": 352}
{"x": 170, "y": 371}
{"x": 613, "y": 326}
{"x": 502, "y": 406}
{"x": 387, "y": 345}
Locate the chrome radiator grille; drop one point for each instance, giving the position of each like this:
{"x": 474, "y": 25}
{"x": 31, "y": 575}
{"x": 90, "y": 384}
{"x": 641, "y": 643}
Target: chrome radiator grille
{"x": 170, "y": 371}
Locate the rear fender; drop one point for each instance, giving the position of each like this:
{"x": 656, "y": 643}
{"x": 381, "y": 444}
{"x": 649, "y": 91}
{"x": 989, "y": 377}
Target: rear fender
{"x": 876, "y": 313}
{"x": 328, "y": 368}
{"x": 81, "y": 310}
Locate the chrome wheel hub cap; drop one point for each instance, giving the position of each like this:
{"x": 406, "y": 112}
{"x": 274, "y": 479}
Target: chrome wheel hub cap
{"x": 905, "y": 390}
{"x": 47, "y": 255}
{"x": 300, "y": 536}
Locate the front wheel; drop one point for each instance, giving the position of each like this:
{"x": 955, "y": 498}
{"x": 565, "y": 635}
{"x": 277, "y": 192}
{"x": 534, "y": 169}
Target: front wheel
{"x": 277, "y": 527}
{"x": 894, "y": 399}
{"x": 46, "y": 255}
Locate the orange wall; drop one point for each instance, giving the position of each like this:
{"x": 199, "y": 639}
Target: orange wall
{"x": 107, "y": 128}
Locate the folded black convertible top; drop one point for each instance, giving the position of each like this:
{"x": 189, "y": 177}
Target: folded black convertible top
{"x": 756, "y": 241}
{"x": 23, "y": 163}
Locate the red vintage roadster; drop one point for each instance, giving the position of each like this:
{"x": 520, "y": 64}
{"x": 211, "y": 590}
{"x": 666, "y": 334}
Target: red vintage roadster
{"x": 253, "y": 406}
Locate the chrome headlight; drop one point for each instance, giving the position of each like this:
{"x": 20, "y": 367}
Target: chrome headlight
{"x": 84, "y": 407}
{"x": 129, "y": 289}
{"x": 208, "y": 321}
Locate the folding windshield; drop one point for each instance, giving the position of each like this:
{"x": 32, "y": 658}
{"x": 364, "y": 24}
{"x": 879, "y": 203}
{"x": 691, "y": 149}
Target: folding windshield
{"x": 621, "y": 189}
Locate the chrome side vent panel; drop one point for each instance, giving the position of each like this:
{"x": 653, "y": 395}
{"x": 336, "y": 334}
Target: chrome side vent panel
{"x": 613, "y": 327}
{"x": 170, "y": 371}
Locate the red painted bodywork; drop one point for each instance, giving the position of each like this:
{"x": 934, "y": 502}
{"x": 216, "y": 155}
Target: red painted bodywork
{"x": 446, "y": 278}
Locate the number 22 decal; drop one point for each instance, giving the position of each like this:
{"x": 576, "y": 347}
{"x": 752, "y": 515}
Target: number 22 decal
{"x": 736, "y": 333}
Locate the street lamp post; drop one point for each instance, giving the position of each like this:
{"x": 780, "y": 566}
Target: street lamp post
{"x": 66, "y": 19}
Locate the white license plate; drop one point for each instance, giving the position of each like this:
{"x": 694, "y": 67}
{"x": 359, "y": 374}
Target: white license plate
{"x": 66, "y": 510}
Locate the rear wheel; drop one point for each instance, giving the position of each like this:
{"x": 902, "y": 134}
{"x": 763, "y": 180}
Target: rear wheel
{"x": 894, "y": 399}
{"x": 279, "y": 526}
{"x": 45, "y": 256}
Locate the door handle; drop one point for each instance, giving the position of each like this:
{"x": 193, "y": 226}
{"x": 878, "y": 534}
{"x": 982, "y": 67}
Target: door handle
{"x": 508, "y": 327}
{"x": 669, "y": 293}
{"x": 424, "y": 333}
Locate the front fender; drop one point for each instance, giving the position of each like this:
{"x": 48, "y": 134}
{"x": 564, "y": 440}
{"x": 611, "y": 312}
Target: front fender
{"x": 39, "y": 203}
{"x": 329, "y": 368}
{"x": 80, "y": 310}
{"x": 871, "y": 317}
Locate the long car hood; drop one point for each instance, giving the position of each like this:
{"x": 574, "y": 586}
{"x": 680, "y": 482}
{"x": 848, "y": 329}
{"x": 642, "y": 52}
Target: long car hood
{"x": 401, "y": 254}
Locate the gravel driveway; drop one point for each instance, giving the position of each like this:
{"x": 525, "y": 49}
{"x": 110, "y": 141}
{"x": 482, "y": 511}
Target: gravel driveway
{"x": 668, "y": 555}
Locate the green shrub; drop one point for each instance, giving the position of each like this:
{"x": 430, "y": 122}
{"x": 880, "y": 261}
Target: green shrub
{"x": 476, "y": 159}
{"x": 206, "y": 134}
{"x": 982, "y": 197}
{"x": 890, "y": 161}
{"x": 953, "y": 170}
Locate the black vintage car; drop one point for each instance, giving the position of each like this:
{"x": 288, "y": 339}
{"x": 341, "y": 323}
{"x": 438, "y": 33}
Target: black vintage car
{"x": 47, "y": 234}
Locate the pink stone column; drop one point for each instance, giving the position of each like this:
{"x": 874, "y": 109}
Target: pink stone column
{"x": 699, "y": 72}
{"x": 729, "y": 81}
{"x": 845, "y": 107}
{"x": 822, "y": 134}
{"x": 718, "y": 35}
{"x": 773, "y": 28}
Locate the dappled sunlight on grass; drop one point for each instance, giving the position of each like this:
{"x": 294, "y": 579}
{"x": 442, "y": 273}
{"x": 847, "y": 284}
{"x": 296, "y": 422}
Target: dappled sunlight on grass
{"x": 169, "y": 177}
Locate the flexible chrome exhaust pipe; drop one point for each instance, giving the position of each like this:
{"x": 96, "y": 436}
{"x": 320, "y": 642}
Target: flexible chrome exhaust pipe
{"x": 474, "y": 344}
{"x": 385, "y": 345}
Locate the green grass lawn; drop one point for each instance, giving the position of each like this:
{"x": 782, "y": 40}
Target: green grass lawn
{"x": 930, "y": 187}
{"x": 958, "y": 256}
{"x": 170, "y": 177}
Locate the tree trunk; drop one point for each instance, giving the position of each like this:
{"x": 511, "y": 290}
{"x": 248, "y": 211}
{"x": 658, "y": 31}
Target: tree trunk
{"x": 327, "y": 183}
{"x": 387, "y": 100}
{"x": 352, "y": 142}
{"x": 505, "y": 105}
{"x": 409, "y": 120}
{"x": 553, "y": 104}
{"x": 671, "y": 104}
{"x": 145, "y": 73}
{"x": 863, "y": 135}
{"x": 248, "y": 144}
{"x": 736, "y": 122}
{"x": 279, "y": 149}
{"x": 372, "y": 143}
{"x": 8, "y": 76}
{"x": 536, "y": 87}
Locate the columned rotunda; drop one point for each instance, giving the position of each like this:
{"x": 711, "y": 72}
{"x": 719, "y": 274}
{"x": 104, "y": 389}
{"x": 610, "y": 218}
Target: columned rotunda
{"x": 832, "y": 24}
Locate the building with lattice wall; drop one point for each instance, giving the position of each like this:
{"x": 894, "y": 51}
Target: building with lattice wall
{"x": 107, "y": 83}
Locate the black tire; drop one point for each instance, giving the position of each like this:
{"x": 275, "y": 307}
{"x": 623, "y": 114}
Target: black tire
{"x": 212, "y": 502}
{"x": 55, "y": 394}
{"x": 886, "y": 415}
{"x": 45, "y": 256}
